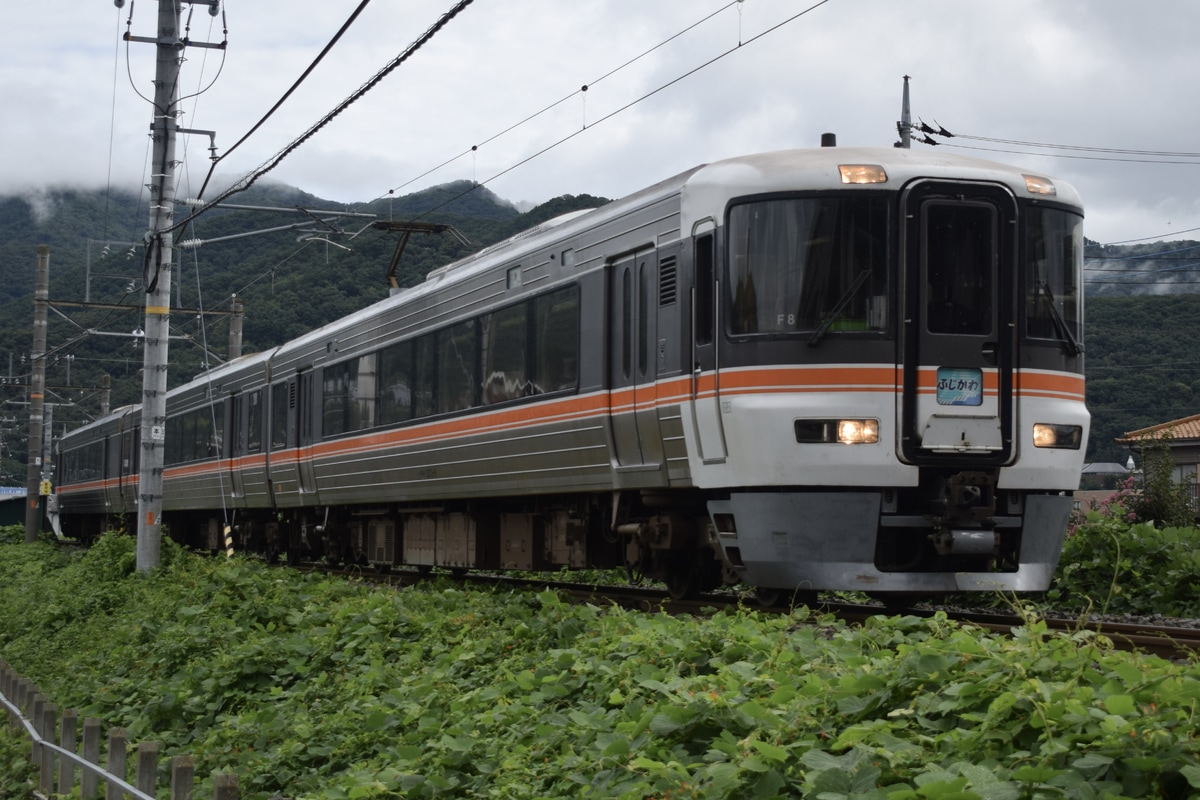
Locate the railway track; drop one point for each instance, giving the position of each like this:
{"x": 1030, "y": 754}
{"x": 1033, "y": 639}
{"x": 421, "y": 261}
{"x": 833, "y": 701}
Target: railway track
{"x": 1172, "y": 642}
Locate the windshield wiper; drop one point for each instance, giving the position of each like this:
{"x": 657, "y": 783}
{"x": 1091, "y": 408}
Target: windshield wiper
{"x": 1074, "y": 348}
{"x": 838, "y": 307}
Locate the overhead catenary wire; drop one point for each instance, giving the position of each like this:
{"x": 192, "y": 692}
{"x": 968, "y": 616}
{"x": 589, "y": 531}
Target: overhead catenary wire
{"x": 248, "y": 181}
{"x": 295, "y": 85}
{"x": 624, "y": 108}
{"x": 576, "y": 93}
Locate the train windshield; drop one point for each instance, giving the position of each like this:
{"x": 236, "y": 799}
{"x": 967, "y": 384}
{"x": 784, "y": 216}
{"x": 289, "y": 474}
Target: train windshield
{"x": 812, "y": 265}
{"x": 1054, "y": 264}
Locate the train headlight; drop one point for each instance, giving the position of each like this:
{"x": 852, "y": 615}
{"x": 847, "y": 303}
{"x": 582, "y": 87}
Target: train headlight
{"x": 830, "y": 431}
{"x": 858, "y": 431}
{"x": 862, "y": 173}
{"x": 1039, "y": 185}
{"x": 1061, "y": 437}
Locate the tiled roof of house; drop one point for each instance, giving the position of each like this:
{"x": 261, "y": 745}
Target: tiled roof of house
{"x": 1186, "y": 428}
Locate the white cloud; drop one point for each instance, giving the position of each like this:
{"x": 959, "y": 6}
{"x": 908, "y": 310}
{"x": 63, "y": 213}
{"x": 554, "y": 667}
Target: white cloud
{"x": 1077, "y": 72}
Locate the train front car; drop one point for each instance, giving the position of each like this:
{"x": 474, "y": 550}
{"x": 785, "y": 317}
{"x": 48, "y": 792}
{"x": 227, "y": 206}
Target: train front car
{"x": 888, "y": 391}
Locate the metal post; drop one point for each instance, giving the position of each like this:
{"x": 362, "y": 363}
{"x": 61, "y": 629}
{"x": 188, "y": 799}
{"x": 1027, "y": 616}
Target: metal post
{"x": 37, "y": 395}
{"x": 904, "y": 126}
{"x": 159, "y": 255}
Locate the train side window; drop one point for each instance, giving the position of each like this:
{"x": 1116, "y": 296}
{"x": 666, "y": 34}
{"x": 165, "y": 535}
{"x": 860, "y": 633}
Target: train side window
{"x": 504, "y": 337}
{"x": 425, "y": 379}
{"x": 556, "y": 341}
{"x": 396, "y": 382}
{"x": 458, "y": 367}
{"x": 704, "y": 256}
{"x": 279, "y": 415}
{"x": 335, "y": 397}
{"x": 254, "y": 419}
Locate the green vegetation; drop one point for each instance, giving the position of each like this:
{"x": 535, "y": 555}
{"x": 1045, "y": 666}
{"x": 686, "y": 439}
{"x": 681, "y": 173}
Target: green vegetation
{"x": 315, "y": 687}
{"x": 1141, "y": 366}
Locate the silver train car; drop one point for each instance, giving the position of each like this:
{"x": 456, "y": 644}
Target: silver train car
{"x": 816, "y": 369}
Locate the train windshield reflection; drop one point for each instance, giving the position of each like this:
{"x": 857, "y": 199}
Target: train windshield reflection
{"x": 1054, "y": 259}
{"x": 814, "y": 264}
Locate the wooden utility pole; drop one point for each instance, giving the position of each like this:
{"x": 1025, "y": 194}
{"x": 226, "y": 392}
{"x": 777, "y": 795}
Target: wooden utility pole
{"x": 37, "y": 396}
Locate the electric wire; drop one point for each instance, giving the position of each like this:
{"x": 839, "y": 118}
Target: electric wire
{"x": 623, "y": 108}
{"x": 295, "y": 85}
{"x": 560, "y": 101}
{"x": 249, "y": 180}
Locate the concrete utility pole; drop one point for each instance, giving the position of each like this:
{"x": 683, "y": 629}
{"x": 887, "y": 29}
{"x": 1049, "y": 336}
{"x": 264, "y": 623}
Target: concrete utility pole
{"x": 164, "y": 127}
{"x": 157, "y": 276}
{"x": 37, "y": 395}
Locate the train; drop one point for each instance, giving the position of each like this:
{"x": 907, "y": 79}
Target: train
{"x": 818, "y": 369}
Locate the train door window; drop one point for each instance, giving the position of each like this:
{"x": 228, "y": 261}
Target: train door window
{"x": 254, "y": 422}
{"x": 504, "y": 338}
{"x": 457, "y": 367}
{"x": 237, "y": 439}
{"x": 556, "y": 341}
{"x": 280, "y": 402}
{"x": 960, "y": 267}
{"x": 644, "y": 333}
{"x": 304, "y": 413}
{"x": 425, "y": 376}
{"x": 704, "y": 257}
{"x": 396, "y": 383}
{"x": 627, "y": 322}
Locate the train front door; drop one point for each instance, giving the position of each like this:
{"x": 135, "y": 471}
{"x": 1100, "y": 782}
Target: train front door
{"x": 633, "y": 362}
{"x": 708, "y": 425}
{"x": 958, "y": 347}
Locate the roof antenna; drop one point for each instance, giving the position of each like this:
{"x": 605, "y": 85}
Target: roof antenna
{"x": 904, "y": 126}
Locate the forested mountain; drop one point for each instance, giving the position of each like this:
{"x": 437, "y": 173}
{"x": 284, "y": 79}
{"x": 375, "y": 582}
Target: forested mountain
{"x": 1142, "y": 365}
{"x": 1142, "y": 368}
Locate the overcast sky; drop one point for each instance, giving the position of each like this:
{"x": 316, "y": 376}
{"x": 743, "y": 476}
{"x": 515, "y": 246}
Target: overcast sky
{"x": 1080, "y": 73}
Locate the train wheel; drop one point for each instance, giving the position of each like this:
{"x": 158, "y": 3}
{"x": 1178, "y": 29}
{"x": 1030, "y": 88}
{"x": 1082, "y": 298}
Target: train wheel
{"x": 780, "y": 599}
{"x": 690, "y": 572}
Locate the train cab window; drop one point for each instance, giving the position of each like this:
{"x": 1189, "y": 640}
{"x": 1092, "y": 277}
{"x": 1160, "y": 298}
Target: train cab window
{"x": 1054, "y": 264}
{"x": 960, "y": 267}
{"x": 803, "y": 265}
